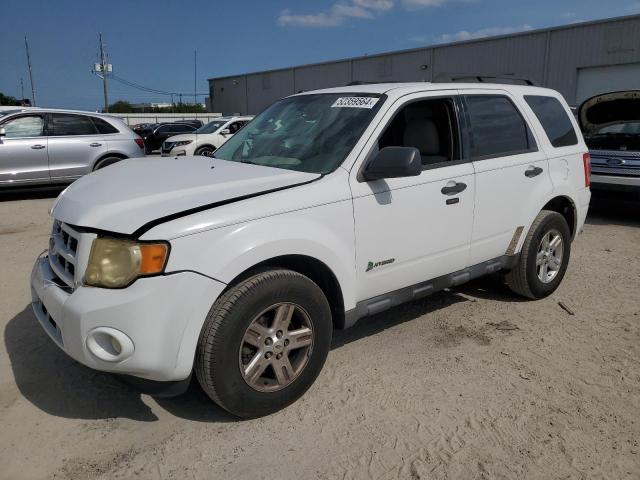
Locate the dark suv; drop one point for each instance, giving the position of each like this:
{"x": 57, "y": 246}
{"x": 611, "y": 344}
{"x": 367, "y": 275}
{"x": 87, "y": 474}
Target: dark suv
{"x": 154, "y": 138}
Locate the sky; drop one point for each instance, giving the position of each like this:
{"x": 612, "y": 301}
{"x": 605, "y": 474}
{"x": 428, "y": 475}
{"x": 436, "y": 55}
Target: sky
{"x": 152, "y": 43}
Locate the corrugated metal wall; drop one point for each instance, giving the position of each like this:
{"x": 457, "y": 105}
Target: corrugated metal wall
{"x": 551, "y": 57}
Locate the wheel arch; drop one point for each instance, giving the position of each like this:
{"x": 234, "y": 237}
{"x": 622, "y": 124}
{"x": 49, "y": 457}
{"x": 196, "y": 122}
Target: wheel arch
{"x": 119, "y": 155}
{"x": 566, "y": 207}
{"x": 318, "y": 271}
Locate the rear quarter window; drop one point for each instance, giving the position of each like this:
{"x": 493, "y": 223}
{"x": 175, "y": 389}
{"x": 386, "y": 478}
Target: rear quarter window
{"x": 554, "y": 120}
{"x": 103, "y": 126}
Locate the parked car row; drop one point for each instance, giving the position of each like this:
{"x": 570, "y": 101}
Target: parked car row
{"x": 206, "y": 139}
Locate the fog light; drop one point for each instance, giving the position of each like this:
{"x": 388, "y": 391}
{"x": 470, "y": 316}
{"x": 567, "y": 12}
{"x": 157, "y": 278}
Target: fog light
{"x": 109, "y": 345}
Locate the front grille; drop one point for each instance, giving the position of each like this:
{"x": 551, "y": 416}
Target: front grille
{"x": 63, "y": 249}
{"x": 167, "y": 146}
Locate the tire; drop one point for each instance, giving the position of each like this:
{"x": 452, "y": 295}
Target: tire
{"x": 105, "y": 162}
{"x": 525, "y": 278}
{"x": 204, "y": 151}
{"x": 223, "y": 351}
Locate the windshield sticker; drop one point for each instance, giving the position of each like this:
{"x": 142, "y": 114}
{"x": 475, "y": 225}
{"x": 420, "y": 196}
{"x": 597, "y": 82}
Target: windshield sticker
{"x": 355, "y": 102}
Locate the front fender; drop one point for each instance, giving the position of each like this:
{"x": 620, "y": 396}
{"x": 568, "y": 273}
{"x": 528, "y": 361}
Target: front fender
{"x": 324, "y": 233}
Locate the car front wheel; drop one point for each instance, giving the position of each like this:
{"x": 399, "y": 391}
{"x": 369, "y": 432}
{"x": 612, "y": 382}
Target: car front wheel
{"x": 264, "y": 343}
{"x": 205, "y": 151}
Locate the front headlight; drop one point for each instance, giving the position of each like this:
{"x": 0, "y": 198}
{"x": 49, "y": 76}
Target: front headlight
{"x": 116, "y": 263}
{"x": 182, "y": 143}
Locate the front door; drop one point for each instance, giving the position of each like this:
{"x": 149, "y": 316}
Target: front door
{"x": 23, "y": 151}
{"x": 410, "y": 230}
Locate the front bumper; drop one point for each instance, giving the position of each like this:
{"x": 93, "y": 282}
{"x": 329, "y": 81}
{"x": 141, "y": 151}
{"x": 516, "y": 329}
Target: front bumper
{"x": 160, "y": 316}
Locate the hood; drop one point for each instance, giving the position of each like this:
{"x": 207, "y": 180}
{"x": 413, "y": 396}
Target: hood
{"x": 129, "y": 195}
{"x": 609, "y": 109}
{"x": 181, "y": 137}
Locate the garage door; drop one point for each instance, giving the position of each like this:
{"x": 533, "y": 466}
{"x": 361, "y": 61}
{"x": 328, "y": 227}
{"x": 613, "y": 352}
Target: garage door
{"x": 595, "y": 80}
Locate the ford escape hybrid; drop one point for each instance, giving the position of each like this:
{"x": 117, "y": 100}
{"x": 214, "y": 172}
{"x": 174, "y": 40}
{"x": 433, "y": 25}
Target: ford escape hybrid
{"x": 328, "y": 207}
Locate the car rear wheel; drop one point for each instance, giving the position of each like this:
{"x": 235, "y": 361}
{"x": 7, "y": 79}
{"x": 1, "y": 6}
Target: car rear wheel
{"x": 204, "y": 151}
{"x": 264, "y": 343}
{"x": 544, "y": 257}
{"x": 105, "y": 162}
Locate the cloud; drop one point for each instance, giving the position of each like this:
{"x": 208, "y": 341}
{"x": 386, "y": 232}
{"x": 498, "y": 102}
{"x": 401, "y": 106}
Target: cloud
{"x": 337, "y": 14}
{"x": 482, "y": 33}
{"x": 416, "y": 4}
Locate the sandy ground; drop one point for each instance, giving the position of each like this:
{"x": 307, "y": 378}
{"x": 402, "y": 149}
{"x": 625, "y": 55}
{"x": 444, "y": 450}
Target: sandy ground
{"x": 472, "y": 383}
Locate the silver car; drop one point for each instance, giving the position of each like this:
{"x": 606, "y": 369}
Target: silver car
{"x": 43, "y": 146}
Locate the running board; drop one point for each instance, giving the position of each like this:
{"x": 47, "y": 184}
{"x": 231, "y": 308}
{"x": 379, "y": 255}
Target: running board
{"x": 389, "y": 300}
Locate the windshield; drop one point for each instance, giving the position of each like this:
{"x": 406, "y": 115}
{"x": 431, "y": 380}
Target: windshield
{"x": 211, "y": 126}
{"x": 626, "y": 128}
{"x": 308, "y": 133}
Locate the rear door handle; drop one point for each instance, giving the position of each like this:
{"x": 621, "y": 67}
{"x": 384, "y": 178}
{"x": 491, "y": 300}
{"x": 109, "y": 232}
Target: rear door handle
{"x": 95, "y": 144}
{"x": 37, "y": 147}
{"x": 532, "y": 171}
{"x": 452, "y": 187}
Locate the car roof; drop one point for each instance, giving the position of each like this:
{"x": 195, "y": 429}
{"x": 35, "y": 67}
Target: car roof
{"x": 56, "y": 110}
{"x": 400, "y": 89}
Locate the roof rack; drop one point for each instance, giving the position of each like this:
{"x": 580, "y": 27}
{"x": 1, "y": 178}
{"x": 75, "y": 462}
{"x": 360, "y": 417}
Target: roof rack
{"x": 472, "y": 78}
{"x": 365, "y": 82}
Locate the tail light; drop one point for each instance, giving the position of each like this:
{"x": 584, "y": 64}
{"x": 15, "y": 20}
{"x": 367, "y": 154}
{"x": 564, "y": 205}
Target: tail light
{"x": 140, "y": 142}
{"x": 586, "y": 160}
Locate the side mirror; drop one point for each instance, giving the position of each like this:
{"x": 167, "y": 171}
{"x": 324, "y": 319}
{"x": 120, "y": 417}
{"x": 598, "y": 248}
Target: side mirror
{"x": 3, "y": 132}
{"x": 225, "y": 131}
{"x": 393, "y": 162}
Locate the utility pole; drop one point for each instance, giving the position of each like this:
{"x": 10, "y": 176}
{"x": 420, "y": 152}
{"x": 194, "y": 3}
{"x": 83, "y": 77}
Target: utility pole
{"x": 33, "y": 88}
{"x": 104, "y": 68}
{"x": 195, "y": 75}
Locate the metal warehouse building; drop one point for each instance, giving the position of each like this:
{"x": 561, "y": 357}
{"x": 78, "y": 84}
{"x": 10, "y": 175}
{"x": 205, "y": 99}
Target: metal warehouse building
{"x": 579, "y": 60}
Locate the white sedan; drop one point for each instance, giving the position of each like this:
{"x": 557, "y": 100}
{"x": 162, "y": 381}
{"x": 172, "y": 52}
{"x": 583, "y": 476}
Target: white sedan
{"x": 206, "y": 139}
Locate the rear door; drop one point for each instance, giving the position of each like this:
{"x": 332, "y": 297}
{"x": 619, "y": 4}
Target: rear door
{"x": 23, "y": 150}
{"x": 512, "y": 174}
{"x": 74, "y": 145}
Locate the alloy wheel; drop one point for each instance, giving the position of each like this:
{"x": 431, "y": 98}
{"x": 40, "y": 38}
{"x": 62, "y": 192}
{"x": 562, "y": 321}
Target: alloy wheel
{"x": 549, "y": 256}
{"x": 276, "y": 347}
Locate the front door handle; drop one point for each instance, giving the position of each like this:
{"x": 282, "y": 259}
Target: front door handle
{"x": 452, "y": 187}
{"x": 532, "y": 171}
{"x": 37, "y": 147}
{"x": 95, "y": 144}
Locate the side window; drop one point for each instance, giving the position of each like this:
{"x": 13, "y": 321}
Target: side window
{"x": 29, "y": 126}
{"x": 428, "y": 125}
{"x": 235, "y": 126}
{"x": 64, "y": 124}
{"x": 554, "y": 120}
{"x": 104, "y": 126}
{"x": 496, "y": 127}
{"x": 165, "y": 129}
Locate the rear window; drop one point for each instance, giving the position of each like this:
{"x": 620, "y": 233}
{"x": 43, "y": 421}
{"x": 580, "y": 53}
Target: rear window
{"x": 104, "y": 126}
{"x": 64, "y": 124}
{"x": 497, "y": 128}
{"x": 554, "y": 120}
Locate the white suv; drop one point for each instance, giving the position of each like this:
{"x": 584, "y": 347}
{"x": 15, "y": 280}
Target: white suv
{"x": 330, "y": 206}
{"x": 206, "y": 139}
